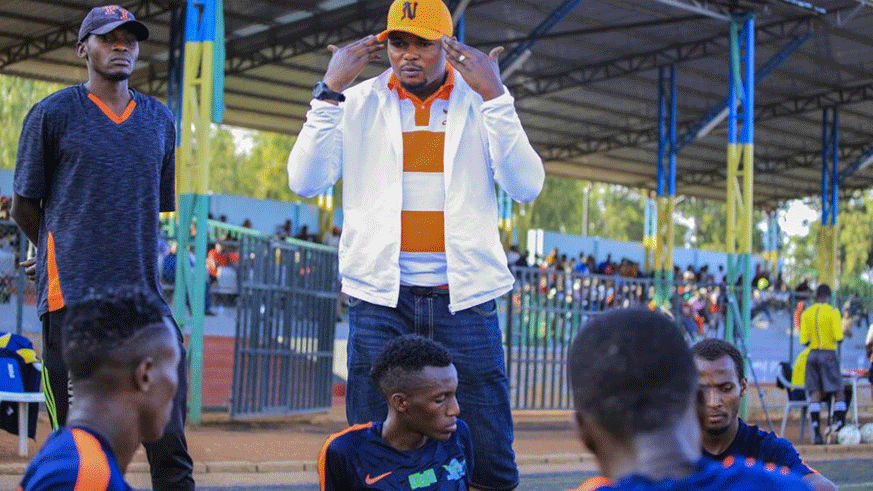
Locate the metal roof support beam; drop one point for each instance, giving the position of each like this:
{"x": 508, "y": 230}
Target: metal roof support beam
{"x": 280, "y": 43}
{"x": 304, "y": 36}
{"x": 698, "y": 8}
{"x": 639, "y": 62}
{"x": 779, "y": 165}
{"x": 861, "y": 163}
{"x": 67, "y": 35}
{"x": 706, "y": 123}
{"x": 459, "y": 9}
{"x": 765, "y": 112}
{"x": 575, "y": 33}
{"x": 545, "y": 26}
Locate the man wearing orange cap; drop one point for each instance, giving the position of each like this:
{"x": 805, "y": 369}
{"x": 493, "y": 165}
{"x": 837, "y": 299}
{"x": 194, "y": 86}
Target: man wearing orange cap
{"x": 420, "y": 148}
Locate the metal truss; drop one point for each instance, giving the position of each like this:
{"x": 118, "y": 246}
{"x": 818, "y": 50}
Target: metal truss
{"x": 803, "y": 104}
{"x": 788, "y": 107}
{"x": 774, "y": 166}
{"x": 304, "y": 36}
{"x": 675, "y": 54}
{"x": 709, "y": 9}
{"x": 545, "y": 26}
{"x": 67, "y": 34}
{"x": 861, "y": 162}
{"x": 280, "y": 43}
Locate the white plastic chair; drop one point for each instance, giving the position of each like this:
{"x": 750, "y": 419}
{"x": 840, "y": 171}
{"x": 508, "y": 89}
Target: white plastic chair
{"x": 793, "y": 402}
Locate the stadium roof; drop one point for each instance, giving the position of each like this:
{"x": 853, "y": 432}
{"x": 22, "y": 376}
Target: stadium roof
{"x": 587, "y": 93}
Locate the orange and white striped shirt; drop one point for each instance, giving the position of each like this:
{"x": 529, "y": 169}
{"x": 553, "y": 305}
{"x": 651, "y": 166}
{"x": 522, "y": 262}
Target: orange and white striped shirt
{"x": 422, "y": 229}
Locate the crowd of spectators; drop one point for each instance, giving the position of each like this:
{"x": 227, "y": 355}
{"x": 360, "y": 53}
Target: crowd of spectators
{"x": 698, "y": 297}
{"x": 223, "y": 254}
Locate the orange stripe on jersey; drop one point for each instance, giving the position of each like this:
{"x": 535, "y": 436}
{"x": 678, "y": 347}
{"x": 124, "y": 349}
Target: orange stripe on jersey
{"x": 93, "y": 466}
{"x": 108, "y": 112}
{"x": 55, "y": 295}
{"x": 422, "y": 231}
{"x": 322, "y": 456}
{"x": 423, "y": 151}
{"x": 593, "y": 483}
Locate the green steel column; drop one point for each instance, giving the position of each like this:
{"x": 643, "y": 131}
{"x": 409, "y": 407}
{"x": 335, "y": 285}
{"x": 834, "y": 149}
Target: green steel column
{"x": 200, "y": 107}
{"x": 740, "y": 174}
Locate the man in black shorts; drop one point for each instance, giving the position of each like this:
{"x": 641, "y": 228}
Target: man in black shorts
{"x": 821, "y": 329}
{"x": 95, "y": 167}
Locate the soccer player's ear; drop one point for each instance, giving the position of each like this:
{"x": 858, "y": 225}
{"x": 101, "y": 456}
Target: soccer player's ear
{"x": 81, "y": 52}
{"x": 743, "y": 385}
{"x": 142, "y": 375}
{"x": 398, "y": 401}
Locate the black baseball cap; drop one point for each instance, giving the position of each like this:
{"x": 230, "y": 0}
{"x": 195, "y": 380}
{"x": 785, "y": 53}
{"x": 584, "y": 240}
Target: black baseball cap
{"x": 101, "y": 20}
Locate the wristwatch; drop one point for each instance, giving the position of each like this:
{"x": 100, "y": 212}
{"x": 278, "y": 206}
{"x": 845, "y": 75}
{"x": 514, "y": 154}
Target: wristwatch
{"x": 323, "y": 93}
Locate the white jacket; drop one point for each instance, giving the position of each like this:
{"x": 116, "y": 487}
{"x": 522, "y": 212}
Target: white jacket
{"x": 361, "y": 141}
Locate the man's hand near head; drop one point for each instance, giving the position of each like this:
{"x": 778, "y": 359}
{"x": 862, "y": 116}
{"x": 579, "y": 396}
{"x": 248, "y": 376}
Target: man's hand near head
{"x": 348, "y": 62}
{"x": 480, "y": 71}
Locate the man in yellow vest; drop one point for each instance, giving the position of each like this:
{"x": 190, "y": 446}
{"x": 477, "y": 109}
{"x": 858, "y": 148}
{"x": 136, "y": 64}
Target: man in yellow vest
{"x": 821, "y": 330}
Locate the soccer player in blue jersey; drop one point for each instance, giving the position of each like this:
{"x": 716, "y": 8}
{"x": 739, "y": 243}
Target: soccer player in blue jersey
{"x": 421, "y": 444}
{"x": 122, "y": 354}
{"x": 722, "y": 383}
{"x": 634, "y": 388}
{"x": 95, "y": 166}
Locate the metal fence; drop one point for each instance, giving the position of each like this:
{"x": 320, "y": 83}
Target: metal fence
{"x": 546, "y": 308}
{"x": 283, "y": 361}
{"x": 544, "y": 311}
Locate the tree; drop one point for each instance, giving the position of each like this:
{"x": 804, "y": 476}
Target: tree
{"x": 856, "y": 236}
{"x": 17, "y": 96}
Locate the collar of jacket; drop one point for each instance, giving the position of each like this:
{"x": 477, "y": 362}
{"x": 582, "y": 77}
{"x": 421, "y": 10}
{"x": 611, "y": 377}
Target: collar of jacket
{"x": 460, "y": 102}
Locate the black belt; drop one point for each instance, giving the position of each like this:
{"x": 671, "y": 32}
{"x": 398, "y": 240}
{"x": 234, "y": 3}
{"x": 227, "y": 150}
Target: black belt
{"x": 425, "y": 291}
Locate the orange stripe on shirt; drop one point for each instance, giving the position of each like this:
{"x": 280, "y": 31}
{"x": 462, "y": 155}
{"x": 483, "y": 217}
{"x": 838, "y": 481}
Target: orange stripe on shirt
{"x": 322, "y": 456}
{"x": 108, "y": 112}
{"x": 55, "y": 295}
{"x": 423, "y": 151}
{"x": 93, "y": 466}
{"x": 422, "y": 231}
{"x": 594, "y": 483}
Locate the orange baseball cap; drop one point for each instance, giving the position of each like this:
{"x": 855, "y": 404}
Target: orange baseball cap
{"x": 428, "y": 19}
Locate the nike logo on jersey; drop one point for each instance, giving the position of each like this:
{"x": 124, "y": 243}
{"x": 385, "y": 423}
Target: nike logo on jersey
{"x": 372, "y": 480}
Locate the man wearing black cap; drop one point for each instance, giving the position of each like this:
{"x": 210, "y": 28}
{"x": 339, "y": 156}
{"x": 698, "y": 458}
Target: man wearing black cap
{"x": 95, "y": 167}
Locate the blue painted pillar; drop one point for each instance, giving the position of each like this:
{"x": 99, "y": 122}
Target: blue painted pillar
{"x": 666, "y": 202}
{"x": 830, "y": 182}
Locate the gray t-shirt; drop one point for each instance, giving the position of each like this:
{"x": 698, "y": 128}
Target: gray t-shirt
{"x": 102, "y": 179}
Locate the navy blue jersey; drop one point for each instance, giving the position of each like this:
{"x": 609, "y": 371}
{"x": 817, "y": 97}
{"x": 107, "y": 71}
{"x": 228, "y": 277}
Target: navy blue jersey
{"x": 732, "y": 474}
{"x": 764, "y": 446}
{"x": 74, "y": 459}
{"x": 357, "y": 458}
{"x": 102, "y": 179}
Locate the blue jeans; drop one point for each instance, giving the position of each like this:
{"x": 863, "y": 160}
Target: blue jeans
{"x": 473, "y": 338}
